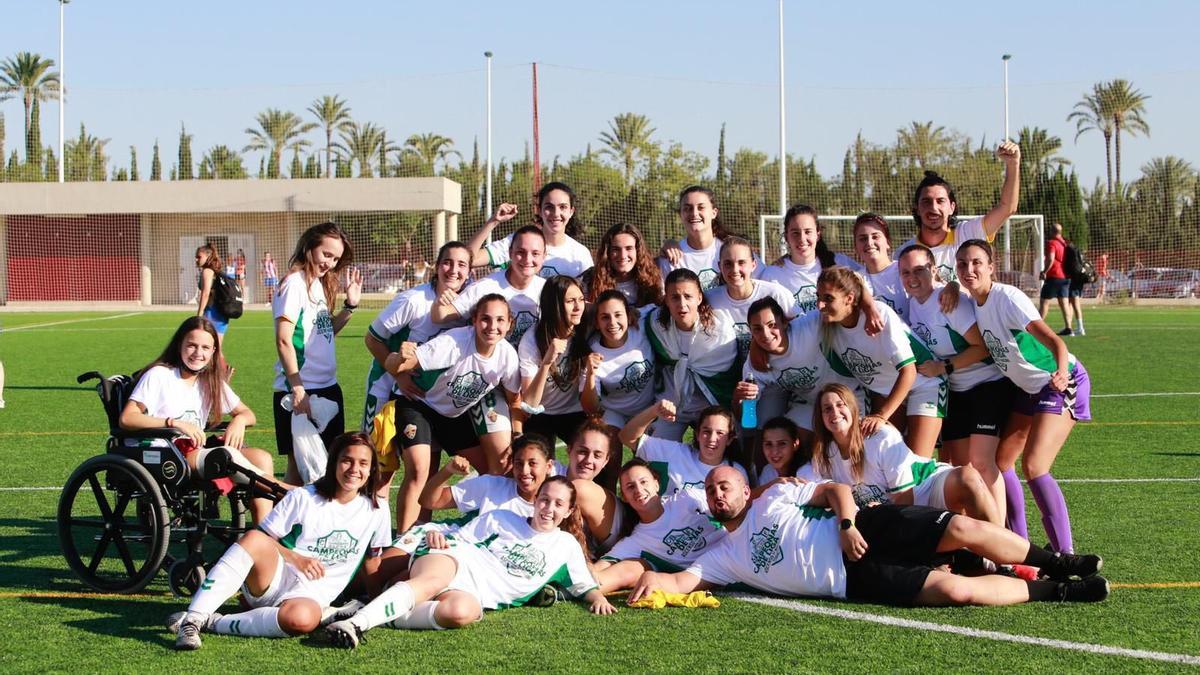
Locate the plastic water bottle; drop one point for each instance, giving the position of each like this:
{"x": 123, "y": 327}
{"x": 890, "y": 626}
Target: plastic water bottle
{"x": 750, "y": 410}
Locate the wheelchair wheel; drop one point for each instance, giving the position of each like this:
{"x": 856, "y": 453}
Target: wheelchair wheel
{"x": 184, "y": 577}
{"x": 113, "y": 525}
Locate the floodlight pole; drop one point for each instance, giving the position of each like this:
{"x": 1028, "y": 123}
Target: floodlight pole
{"x": 488, "y": 138}
{"x": 1005, "y": 60}
{"x": 62, "y": 87}
{"x": 783, "y": 203}
{"x": 1007, "y": 223}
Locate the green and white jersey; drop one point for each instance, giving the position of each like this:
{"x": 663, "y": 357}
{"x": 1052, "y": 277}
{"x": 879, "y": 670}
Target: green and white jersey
{"x": 700, "y": 366}
{"x": 943, "y": 253}
{"x": 783, "y": 546}
{"x": 887, "y": 288}
{"x": 482, "y": 494}
{"x": 407, "y": 318}
{"x": 524, "y": 302}
{"x": 888, "y": 466}
{"x": 339, "y": 535}
{"x": 559, "y": 395}
{"x": 1002, "y": 321}
{"x": 739, "y": 310}
{"x": 571, "y": 258}
{"x": 802, "y": 369}
{"x": 875, "y": 361}
{"x": 454, "y": 376}
{"x": 678, "y": 465}
{"x": 164, "y": 394}
{"x": 312, "y": 336}
{"x": 625, "y": 378}
{"x": 705, "y": 262}
{"x": 676, "y": 538}
{"x": 801, "y": 280}
{"x": 510, "y": 561}
{"x": 944, "y": 335}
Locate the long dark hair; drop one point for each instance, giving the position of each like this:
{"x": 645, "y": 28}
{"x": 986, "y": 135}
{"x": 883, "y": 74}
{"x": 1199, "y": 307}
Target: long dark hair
{"x": 311, "y": 239}
{"x": 573, "y": 228}
{"x": 705, "y": 310}
{"x": 554, "y": 324}
{"x": 930, "y": 180}
{"x": 327, "y": 484}
{"x": 645, "y": 273}
{"x": 824, "y": 254}
{"x": 781, "y": 318}
{"x": 718, "y": 227}
{"x": 441, "y": 254}
{"x": 573, "y": 523}
{"x": 793, "y": 432}
{"x": 211, "y": 379}
{"x": 213, "y": 262}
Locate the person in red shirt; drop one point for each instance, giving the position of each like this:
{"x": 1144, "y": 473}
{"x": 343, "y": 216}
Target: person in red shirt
{"x": 1055, "y": 283}
{"x": 1102, "y": 273}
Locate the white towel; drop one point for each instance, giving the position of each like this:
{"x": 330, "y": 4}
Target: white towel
{"x": 307, "y": 447}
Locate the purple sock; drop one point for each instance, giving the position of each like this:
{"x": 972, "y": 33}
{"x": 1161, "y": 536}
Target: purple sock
{"x": 1014, "y": 494}
{"x": 1053, "y": 506}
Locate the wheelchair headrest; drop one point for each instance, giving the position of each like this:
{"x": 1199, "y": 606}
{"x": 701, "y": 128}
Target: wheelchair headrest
{"x": 114, "y": 393}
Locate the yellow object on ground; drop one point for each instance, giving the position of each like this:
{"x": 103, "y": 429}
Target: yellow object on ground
{"x": 659, "y": 599}
{"x": 383, "y": 430}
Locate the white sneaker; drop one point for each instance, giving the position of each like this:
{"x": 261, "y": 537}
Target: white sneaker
{"x": 175, "y": 620}
{"x": 344, "y": 634}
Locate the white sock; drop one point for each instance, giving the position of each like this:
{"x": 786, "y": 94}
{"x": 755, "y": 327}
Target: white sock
{"x": 259, "y": 622}
{"x": 390, "y": 604}
{"x": 420, "y": 618}
{"x": 223, "y": 580}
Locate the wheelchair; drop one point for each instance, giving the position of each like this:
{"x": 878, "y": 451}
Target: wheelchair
{"x": 120, "y": 512}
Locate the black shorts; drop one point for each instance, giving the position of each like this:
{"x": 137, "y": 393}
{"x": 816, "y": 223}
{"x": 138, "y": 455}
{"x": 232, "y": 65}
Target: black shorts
{"x": 283, "y": 418}
{"x": 562, "y": 426}
{"x": 902, "y": 546}
{"x": 418, "y": 424}
{"x": 982, "y": 409}
{"x": 1075, "y": 289}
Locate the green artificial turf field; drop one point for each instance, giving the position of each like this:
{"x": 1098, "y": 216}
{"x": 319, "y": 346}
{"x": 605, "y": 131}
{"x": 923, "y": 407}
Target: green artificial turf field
{"x": 1130, "y": 479}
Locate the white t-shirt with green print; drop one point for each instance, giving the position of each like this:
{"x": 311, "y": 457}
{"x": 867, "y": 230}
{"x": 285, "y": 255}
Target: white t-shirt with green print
{"x": 454, "y": 376}
{"x": 1002, "y": 321}
{"x": 523, "y": 303}
{"x": 739, "y": 310}
{"x": 889, "y": 466}
{"x": 875, "y": 361}
{"x": 676, "y": 538}
{"x": 944, "y": 335}
{"x": 678, "y": 465}
{"x": 304, "y": 306}
{"x": 801, "y": 280}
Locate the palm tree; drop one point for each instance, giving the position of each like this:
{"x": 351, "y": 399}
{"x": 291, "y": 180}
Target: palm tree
{"x": 222, "y": 162}
{"x": 1039, "y": 151}
{"x": 29, "y": 75}
{"x": 1093, "y": 114}
{"x": 1167, "y": 182}
{"x": 278, "y": 130}
{"x": 333, "y": 113}
{"x": 1126, "y": 105}
{"x": 361, "y": 144}
{"x": 429, "y": 149}
{"x": 627, "y": 140}
{"x": 921, "y": 143}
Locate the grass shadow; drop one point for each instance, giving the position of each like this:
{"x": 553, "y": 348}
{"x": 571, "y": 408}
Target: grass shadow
{"x": 139, "y": 619}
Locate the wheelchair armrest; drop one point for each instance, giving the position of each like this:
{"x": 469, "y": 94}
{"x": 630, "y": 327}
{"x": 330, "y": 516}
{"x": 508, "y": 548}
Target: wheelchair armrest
{"x": 167, "y": 433}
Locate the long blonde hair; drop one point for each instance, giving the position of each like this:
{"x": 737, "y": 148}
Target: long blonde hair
{"x": 844, "y": 280}
{"x": 823, "y": 444}
{"x": 311, "y": 239}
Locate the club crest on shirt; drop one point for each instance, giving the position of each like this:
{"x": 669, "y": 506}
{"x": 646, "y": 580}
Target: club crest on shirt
{"x": 922, "y": 331}
{"x": 997, "y": 349}
{"x": 865, "y": 493}
{"x": 684, "y": 540}
{"x": 860, "y": 365}
{"x": 946, "y": 272}
{"x": 637, "y": 376}
{"x": 334, "y": 547}
{"x": 558, "y": 376}
{"x": 799, "y": 380}
{"x": 708, "y": 279}
{"x": 765, "y": 550}
{"x": 323, "y": 324}
{"x": 806, "y": 298}
{"x": 548, "y": 271}
{"x": 522, "y": 321}
{"x": 524, "y": 561}
{"x": 467, "y": 389}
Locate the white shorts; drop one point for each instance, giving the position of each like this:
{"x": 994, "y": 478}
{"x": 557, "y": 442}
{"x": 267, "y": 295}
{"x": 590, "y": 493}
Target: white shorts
{"x": 465, "y": 579}
{"x": 932, "y": 492}
{"x": 928, "y": 397}
{"x": 616, "y": 419}
{"x": 285, "y": 585}
{"x": 413, "y": 538}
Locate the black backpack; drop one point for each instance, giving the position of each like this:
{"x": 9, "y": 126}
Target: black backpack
{"x": 1072, "y": 261}
{"x": 227, "y": 296}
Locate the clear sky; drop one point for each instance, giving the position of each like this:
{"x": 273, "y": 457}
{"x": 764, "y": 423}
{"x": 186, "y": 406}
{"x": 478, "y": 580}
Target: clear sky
{"x": 136, "y": 69}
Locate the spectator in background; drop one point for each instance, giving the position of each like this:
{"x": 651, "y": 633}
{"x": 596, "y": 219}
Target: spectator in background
{"x": 269, "y": 275}
{"x": 239, "y": 267}
{"x": 419, "y": 269}
{"x": 1102, "y": 275}
{"x": 1055, "y": 284}
{"x": 1075, "y": 293}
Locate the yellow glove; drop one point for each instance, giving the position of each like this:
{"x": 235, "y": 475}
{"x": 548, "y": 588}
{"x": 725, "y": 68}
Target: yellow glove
{"x": 658, "y": 599}
{"x": 654, "y": 600}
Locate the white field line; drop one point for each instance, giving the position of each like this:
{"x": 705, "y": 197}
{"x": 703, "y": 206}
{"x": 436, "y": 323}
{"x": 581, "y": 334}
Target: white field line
{"x": 1085, "y": 647}
{"x": 60, "y": 323}
{"x": 1148, "y": 393}
{"x": 49, "y": 488}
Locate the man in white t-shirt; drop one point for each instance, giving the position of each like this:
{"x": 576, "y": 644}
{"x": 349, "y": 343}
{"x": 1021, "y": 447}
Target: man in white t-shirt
{"x": 934, "y": 207}
{"x": 787, "y": 543}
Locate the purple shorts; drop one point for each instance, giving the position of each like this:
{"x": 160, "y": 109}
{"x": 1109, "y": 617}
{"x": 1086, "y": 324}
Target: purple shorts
{"x": 1076, "y": 399}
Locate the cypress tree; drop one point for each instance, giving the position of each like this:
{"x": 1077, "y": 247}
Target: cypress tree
{"x": 262, "y": 172}
{"x": 297, "y": 169}
{"x": 721, "y": 157}
{"x": 2, "y": 168}
{"x": 185, "y": 154}
{"x": 311, "y": 167}
{"x": 155, "y": 164}
{"x": 33, "y": 139}
{"x": 133, "y": 171}
{"x": 51, "y": 163}
{"x": 98, "y": 166}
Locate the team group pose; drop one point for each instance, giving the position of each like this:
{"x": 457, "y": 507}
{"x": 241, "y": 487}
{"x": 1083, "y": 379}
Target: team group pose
{"x": 858, "y": 369}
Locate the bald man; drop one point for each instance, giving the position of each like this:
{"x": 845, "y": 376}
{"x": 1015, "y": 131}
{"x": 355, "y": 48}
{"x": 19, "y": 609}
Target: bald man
{"x": 788, "y": 542}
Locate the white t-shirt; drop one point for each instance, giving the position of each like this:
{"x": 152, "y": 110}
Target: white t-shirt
{"x": 339, "y": 535}
{"x": 888, "y": 466}
{"x": 705, "y": 262}
{"x": 801, "y": 280}
{"x": 482, "y": 494}
{"x": 887, "y": 288}
{"x": 676, "y": 538}
{"x": 678, "y": 465}
{"x": 698, "y": 365}
{"x": 802, "y": 369}
{"x": 523, "y": 302}
{"x": 625, "y": 378}
{"x": 739, "y": 310}
{"x": 944, "y": 335}
{"x": 454, "y": 376}
{"x": 943, "y": 253}
{"x": 782, "y": 547}
{"x": 165, "y": 394}
{"x": 571, "y": 258}
{"x": 312, "y": 336}
{"x": 1002, "y": 321}
{"x": 559, "y": 395}
{"x": 876, "y": 361}
{"x": 510, "y": 561}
